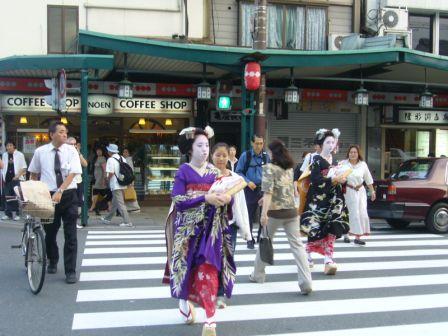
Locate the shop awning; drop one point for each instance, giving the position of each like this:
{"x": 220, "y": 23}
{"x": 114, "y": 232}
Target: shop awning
{"x": 46, "y": 66}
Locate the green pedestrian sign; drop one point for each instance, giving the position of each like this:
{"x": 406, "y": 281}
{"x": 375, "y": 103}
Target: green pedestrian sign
{"x": 224, "y": 103}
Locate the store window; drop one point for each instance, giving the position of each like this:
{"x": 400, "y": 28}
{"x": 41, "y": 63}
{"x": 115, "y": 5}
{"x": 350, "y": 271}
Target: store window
{"x": 421, "y": 27}
{"x": 62, "y": 28}
{"x": 443, "y": 36}
{"x": 288, "y": 27}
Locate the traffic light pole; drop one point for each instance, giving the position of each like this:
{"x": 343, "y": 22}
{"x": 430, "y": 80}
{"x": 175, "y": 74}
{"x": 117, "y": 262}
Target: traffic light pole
{"x": 85, "y": 175}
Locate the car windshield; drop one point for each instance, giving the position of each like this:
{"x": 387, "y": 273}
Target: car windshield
{"x": 413, "y": 170}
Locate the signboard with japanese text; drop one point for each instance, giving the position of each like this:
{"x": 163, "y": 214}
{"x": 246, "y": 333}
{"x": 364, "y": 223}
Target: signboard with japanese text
{"x": 423, "y": 117}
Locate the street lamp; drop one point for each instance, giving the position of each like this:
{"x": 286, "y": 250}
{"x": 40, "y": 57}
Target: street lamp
{"x": 292, "y": 92}
{"x": 204, "y": 89}
{"x": 125, "y": 86}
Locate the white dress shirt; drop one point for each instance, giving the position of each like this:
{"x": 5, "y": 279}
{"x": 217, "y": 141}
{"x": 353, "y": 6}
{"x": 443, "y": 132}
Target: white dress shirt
{"x": 113, "y": 166}
{"x": 19, "y": 163}
{"x": 43, "y": 163}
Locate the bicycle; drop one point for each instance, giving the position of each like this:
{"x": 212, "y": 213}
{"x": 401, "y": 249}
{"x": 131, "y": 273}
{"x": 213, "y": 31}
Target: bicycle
{"x": 32, "y": 244}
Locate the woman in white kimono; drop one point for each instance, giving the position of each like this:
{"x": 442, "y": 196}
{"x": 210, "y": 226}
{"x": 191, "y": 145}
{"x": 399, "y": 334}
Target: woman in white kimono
{"x": 356, "y": 196}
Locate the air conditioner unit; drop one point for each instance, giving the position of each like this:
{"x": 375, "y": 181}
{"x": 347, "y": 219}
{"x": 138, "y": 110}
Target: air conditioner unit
{"x": 394, "y": 19}
{"x": 335, "y": 40}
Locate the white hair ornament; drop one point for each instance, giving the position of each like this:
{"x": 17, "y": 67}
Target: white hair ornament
{"x": 336, "y": 132}
{"x": 210, "y": 132}
{"x": 320, "y": 133}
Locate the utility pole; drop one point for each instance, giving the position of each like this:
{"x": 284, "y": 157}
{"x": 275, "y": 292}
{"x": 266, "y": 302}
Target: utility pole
{"x": 260, "y": 41}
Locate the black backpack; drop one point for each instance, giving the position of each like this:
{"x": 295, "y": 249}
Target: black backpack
{"x": 126, "y": 174}
{"x": 264, "y": 159}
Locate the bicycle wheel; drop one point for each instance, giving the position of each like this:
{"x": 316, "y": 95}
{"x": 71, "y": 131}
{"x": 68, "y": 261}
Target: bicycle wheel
{"x": 37, "y": 260}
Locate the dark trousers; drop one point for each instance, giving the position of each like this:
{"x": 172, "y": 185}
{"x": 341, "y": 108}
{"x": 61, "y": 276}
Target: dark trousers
{"x": 252, "y": 198}
{"x": 67, "y": 211}
{"x": 10, "y": 206}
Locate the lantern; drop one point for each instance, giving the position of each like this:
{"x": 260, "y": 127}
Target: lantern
{"x": 125, "y": 89}
{"x": 361, "y": 97}
{"x": 292, "y": 95}
{"x": 426, "y": 99}
{"x": 252, "y": 76}
{"x": 204, "y": 91}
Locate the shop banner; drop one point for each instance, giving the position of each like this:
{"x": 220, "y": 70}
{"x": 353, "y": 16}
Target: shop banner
{"x": 423, "y": 117}
{"x": 97, "y": 104}
{"x": 152, "y": 105}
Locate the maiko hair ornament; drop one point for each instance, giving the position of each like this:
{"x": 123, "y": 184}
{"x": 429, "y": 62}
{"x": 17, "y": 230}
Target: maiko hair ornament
{"x": 210, "y": 132}
{"x": 336, "y": 132}
{"x": 188, "y": 132}
{"x": 320, "y": 133}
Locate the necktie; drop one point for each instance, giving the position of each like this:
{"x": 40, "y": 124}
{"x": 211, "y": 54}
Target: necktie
{"x": 57, "y": 168}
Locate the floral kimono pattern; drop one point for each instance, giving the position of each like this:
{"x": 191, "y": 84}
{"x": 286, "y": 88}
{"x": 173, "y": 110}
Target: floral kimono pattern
{"x": 325, "y": 212}
{"x": 202, "y": 248}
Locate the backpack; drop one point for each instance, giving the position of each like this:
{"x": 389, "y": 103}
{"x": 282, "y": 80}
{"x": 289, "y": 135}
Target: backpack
{"x": 126, "y": 175}
{"x": 264, "y": 160}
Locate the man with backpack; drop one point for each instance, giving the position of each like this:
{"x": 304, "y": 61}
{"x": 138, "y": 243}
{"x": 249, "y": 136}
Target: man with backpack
{"x": 250, "y": 167}
{"x": 119, "y": 175}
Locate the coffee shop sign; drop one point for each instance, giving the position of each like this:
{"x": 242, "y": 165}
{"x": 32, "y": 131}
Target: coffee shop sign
{"x": 97, "y": 105}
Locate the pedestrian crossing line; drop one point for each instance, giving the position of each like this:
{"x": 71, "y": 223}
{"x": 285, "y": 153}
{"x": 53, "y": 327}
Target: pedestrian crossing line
{"x": 278, "y": 237}
{"x": 276, "y": 269}
{"x": 163, "y": 292}
{"x": 153, "y": 239}
{"x": 155, "y": 249}
{"x": 111, "y": 232}
{"x": 90, "y": 262}
{"x": 232, "y": 313}
{"x": 427, "y": 329}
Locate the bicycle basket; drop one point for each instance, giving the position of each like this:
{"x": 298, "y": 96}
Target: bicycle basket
{"x": 37, "y": 201}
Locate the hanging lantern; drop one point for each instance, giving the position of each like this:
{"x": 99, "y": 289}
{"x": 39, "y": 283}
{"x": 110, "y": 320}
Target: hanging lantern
{"x": 204, "y": 91}
{"x": 362, "y": 97}
{"x": 64, "y": 120}
{"x": 292, "y": 94}
{"x": 23, "y": 120}
{"x": 168, "y": 122}
{"x": 426, "y": 99}
{"x": 142, "y": 122}
{"x": 252, "y": 76}
{"x": 125, "y": 89}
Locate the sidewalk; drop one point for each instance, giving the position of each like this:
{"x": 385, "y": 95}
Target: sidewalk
{"x": 153, "y": 217}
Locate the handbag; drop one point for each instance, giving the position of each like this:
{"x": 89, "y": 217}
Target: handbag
{"x": 266, "y": 248}
{"x": 130, "y": 194}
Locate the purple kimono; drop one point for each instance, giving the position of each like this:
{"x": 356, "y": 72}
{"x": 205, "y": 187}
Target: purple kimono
{"x": 201, "y": 233}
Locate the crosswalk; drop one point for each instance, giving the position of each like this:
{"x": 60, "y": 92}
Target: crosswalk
{"x": 397, "y": 283}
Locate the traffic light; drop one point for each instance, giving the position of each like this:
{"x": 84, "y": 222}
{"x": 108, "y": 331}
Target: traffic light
{"x": 224, "y": 103}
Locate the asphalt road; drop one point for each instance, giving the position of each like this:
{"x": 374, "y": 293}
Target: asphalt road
{"x": 396, "y": 284}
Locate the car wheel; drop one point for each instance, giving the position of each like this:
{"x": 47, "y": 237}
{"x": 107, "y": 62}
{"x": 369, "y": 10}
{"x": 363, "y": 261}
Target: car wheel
{"x": 437, "y": 220}
{"x": 398, "y": 223}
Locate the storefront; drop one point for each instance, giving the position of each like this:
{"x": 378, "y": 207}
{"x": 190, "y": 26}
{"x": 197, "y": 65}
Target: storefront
{"x": 148, "y": 127}
{"x": 296, "y": 124}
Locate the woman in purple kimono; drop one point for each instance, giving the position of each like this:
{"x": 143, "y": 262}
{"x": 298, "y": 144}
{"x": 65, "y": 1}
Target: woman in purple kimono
{"x": 201, "y": 249}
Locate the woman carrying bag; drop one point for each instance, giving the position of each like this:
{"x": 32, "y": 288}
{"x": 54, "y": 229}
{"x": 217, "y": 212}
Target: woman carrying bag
{"x": 279, "y": 210}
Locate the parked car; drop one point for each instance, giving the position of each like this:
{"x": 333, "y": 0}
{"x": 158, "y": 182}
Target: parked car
{"x": 417, "y": 191}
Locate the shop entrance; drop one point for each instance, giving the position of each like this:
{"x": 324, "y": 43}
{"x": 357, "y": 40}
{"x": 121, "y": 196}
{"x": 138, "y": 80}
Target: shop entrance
{"x": 401, "y": 144}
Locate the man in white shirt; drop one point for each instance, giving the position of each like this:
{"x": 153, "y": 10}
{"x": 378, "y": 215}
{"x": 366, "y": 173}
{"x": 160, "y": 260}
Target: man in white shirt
{"x": 112, "y": 171}
{"x": 56, "y": 164}
{"x": 13, "y": 167}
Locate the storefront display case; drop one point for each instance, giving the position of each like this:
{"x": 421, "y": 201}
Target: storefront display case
{"x": 162, "y": 164}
